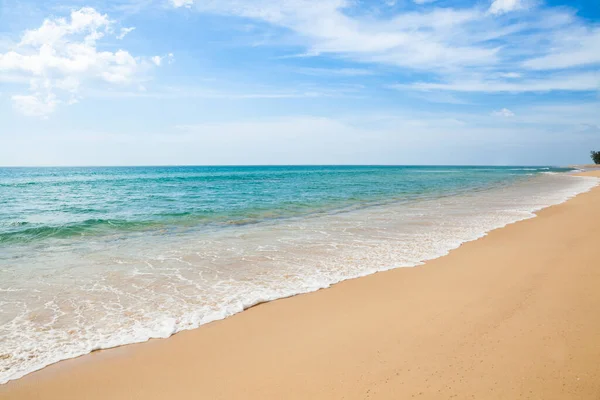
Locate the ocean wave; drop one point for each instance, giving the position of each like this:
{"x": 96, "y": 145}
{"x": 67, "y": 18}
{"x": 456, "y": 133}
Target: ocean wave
{"x": 65, "y": 230}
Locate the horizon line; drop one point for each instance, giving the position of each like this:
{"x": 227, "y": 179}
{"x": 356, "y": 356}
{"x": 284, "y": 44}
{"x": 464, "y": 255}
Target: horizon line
{"x": 288, "y": 165}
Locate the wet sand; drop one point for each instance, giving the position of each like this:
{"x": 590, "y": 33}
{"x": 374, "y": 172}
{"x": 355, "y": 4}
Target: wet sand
{"x": 513, "y": 315}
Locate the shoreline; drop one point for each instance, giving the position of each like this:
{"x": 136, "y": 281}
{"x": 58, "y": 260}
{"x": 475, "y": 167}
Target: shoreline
{"x": 384, "y": 215}
{"x": 132, "y": 366}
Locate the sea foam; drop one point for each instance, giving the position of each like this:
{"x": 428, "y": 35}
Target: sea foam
{"x": 59, "y": 301}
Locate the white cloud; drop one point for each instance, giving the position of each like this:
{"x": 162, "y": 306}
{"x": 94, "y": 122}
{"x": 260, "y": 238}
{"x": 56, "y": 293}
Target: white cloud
{"x": 61, "y": 55}
{"x": 335, "y": 71}
{"x": 504, "y": 6}
{"x": 182, "y": 3}
{"x": 124, "y": 32}
{"x": 505, "y": 112}
{"x": 512, "y": 75}
{"x": 86, "y": 21}
{"x": 159, "y": 60}
{"x": 423, "y": 1}
{"x": 584, "y": 81}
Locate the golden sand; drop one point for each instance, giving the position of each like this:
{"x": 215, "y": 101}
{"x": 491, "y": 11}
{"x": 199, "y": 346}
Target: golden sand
{"x": 513, "y": 315}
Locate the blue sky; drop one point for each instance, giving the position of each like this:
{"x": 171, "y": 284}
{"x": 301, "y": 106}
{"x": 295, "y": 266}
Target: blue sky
{"x": 130, "y": 82}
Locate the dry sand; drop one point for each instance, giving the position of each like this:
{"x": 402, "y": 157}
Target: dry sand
{"x": 513, "y": 315}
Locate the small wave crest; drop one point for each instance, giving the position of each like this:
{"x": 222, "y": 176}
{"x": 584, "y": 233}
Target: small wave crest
{"x": 31, "y": 233}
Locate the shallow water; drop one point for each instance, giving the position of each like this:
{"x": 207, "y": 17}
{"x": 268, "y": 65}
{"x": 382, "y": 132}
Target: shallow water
{"x": 98, "y": 257}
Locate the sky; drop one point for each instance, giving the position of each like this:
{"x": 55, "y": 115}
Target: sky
{"x": 241, "y": 82}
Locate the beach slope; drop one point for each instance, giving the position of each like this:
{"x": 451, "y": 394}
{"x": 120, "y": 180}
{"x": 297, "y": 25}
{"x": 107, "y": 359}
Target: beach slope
{"x": 513, "y": 315}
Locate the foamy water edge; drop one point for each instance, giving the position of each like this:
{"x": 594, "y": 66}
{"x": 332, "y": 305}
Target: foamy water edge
{"x": 167, "y": 328}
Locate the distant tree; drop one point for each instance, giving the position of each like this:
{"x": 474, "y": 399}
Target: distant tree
{"x": 596, "y": 156}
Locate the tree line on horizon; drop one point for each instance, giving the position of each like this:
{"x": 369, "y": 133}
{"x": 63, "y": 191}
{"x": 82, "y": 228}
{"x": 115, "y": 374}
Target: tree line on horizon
{"x": 595, "y": 156}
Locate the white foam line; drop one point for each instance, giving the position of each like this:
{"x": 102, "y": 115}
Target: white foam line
{"x": 167, "y": 328}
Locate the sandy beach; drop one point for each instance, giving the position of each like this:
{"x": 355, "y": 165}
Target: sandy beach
{"x": 512, "y": 315}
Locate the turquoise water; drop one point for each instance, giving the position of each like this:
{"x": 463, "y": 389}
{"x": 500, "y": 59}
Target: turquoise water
{"x": 41, "y": 203}
{"x": 93, "y": 258}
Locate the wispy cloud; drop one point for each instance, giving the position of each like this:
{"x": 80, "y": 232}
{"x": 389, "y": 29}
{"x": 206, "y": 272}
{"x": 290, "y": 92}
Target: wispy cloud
{"x": 424, "y": 1}
{"x": 416, "y": 40}
{"x": 438, "y": 97}
{"x": 512, "y": 75}
{"x": 223, "y": 94}
{"x": 505, "y": 6}
{"x": 584, "y": 81}
{"x": 342, "y": 72}
{"x": 124, "y": 32}
{"x": 575, "y": 48}
{"x": 182, "y": 3}
{"x": 505, "y": 38}
{"x": 505, "y": 112}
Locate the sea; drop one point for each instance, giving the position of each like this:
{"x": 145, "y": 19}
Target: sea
{"x": 93, "y": 258}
